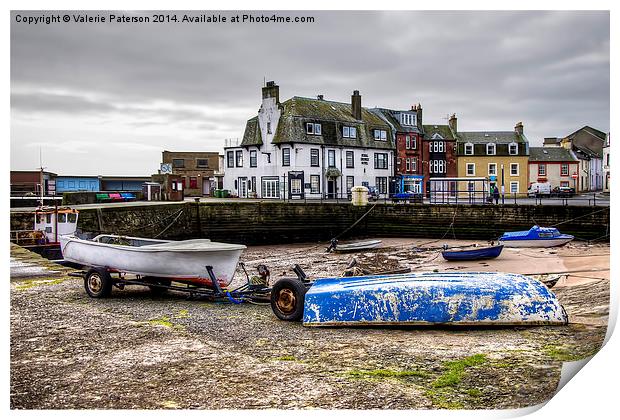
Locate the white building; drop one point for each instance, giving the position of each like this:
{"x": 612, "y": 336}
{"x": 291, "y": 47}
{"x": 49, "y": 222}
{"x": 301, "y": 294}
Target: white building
{"x": 309, "y": 148}
{"x": 606, "y": 164}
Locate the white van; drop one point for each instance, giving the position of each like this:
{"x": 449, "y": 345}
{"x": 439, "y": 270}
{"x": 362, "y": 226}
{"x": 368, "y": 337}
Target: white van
{"x": 538, "y": 189}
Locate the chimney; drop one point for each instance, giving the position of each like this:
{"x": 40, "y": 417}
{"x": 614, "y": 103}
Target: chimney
{"x": 419, "y": 117}
{"x": 519, "y": 128}
{"x": 356, "y": 105}
{"x": 320, "y": 97}
{"x": 452, "y": 123}
{"x": 271, "y": 90}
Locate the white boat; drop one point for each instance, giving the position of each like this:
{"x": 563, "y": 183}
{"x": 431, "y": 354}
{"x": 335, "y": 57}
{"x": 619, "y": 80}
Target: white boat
{"x": 357, "y": 246}
{"x": 184, "y": 261}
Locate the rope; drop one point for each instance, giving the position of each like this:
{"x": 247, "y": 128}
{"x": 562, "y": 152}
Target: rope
{"x": 579, "y": 217}
{"x": 168, "y": 227}
{"x": 356, "y": 222}
{"x": 451, "y": 226}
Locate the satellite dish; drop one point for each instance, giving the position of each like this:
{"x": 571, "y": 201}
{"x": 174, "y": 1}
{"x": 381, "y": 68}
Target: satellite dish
{"x": 165, "y": 168}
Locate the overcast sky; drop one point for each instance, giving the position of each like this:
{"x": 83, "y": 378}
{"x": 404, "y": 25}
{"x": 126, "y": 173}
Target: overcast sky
{"x": 108, "y": 98}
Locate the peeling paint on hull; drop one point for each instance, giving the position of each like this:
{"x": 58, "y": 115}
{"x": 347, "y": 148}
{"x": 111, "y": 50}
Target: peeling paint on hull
{"x": 467, "y": 299}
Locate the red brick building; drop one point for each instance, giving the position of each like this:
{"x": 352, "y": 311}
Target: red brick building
{"x": 439, "y": 151}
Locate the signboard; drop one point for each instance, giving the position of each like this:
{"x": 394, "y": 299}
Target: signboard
{"x": 165, "y": 168}
{"x": 574, "y": 175}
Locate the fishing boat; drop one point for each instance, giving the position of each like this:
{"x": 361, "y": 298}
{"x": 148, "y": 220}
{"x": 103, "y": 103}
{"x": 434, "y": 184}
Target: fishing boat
{"x": 182, "y": 261}
{"x": 470, "y": 299}
{"x": 49, "y": 223}
{"x": 353, "y": 246}
{"x": 472, "y": 253}
{"x": 536, "y": 237}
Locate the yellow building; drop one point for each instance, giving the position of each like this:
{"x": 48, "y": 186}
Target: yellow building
{"x": 501, "y": 156}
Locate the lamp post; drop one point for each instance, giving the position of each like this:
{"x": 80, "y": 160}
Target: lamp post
{"x": 503, "y": 184}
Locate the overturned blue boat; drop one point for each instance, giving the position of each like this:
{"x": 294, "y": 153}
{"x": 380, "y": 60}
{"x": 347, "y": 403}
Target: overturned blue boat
{"x": 469, "y": 299}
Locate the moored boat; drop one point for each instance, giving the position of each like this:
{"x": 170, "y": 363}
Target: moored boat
{"x": 472, "y": 254}
{"x": 472, "y": 299}
{"x": 536, "y": 237}
{"x": 354, "y": 246}
{"x": 184, "y": 261}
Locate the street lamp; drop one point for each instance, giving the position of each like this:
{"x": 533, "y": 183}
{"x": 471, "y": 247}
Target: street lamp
{"x": 503, "y": 184}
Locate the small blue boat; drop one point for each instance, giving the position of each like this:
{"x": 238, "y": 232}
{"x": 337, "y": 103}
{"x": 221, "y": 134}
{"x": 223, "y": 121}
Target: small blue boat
{"x": 471, "y": 254}
{"x": 470, "y": 299}
{"x": 536, "y": 237}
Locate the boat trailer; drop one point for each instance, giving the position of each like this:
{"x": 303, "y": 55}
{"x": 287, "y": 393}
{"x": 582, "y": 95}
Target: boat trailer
{"x": 98, "y": 283}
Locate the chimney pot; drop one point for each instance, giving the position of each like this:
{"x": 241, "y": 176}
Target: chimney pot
{"x": 519, "y": 128}
{"x": 356, "y": 105}
{"x": 271, "y": 90}
{"x": 320, "y": 97}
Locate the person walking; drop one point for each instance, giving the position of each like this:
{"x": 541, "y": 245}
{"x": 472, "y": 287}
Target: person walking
{"x": 496, "y": 194}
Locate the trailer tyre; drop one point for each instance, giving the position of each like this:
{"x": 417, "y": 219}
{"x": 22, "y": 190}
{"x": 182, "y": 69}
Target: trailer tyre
{"x": 287, "y": 299}
{"x": 98, "y": 283}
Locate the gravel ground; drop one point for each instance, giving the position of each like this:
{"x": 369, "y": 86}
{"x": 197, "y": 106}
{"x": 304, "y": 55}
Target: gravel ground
{"x": 133, "y": 350}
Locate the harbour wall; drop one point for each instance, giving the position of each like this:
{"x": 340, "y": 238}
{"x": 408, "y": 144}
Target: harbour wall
{"x": 257, "y": 223}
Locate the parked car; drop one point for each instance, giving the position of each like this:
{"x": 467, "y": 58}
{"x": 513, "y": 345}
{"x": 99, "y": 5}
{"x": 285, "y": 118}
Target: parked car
{"x": 538, "y": 189}
{"x": 563, "y": 192}
{"x": 373, "y": 193}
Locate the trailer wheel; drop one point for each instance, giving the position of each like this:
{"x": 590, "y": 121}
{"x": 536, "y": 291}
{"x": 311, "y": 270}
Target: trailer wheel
{"x": 98, "y": 283}
{"x": 287, "y": 299}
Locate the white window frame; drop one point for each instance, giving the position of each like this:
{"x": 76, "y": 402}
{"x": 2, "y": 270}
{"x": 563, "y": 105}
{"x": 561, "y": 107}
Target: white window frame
{"x": 407, "y": 142}
{"x": 288, "y": 150}
{"x": 352, "y": 179}
{"x": 309, "y": 128}
{"x": 345, "y": 131}
{"x": 494, "y": 173}
{"x": 517, "y": 166}
{"x": 352, "y": 132}
{"x": 253, "y": 156}
{"x": 331, "y": 152}
{"x": 562, "y": 165}
{"x": 414, "y": 164}
{"x": 296, "y": 186}
{"x": 544, "y": 169}
{"x": 408, "y": 119}
{"x": 468, "y": 166}
{"x": 494, "y": 146}
{"x": 312, "y": 184}
{"x": 414, "y": 143}
{"x": 348, "y": 153}
{"x": 514, "y": 190}
{"x": 469, "y": 146}
{"x": 516, "y": 146}
{"x": 408, "y": 165}
{"x": 380, "y": 135}
{"x": 317, "y": 129}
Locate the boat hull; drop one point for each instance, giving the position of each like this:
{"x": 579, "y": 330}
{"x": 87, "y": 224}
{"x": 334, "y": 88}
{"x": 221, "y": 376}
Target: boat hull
{"x": 182, "y": 264}
{"x": 473, "y": 254}
{"x": 358, "y": 246}
{"x": 470, "y": 299}
{"x": 536, "y": 243}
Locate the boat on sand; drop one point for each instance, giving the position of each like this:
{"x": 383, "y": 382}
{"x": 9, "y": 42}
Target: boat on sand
{"x": 536, "y": 237}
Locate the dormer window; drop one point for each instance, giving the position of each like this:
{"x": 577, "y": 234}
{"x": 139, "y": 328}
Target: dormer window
{"x": 380, "y": 135}
{"x": 490, "y": 148}
{"x": 313, "y": 128}
{"x": 407, "y": 119}
{"x": 469, "y": 149}
{"x": 349, "y": 132}
{"x": 513, "y": 149}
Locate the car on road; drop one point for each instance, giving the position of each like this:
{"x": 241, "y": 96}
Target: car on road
{"x": 538, "y": 189}
{"x": 407, "y": 197}
{"x": 373, "y": 193}
{"x": 563, "y": 192}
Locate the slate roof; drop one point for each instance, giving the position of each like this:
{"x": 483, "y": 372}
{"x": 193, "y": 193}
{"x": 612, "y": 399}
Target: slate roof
{"x": 593, "y": 131}
{"x": 391, "y": 116}
{"x": 332, "y": 116}
{"x": 551, "y": 154}
{"x": 443, "y": 130}
{"x": 497, "y": 137}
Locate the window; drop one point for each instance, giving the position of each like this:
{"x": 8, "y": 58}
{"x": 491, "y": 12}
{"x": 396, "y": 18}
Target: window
{"x": 62, "y": 217}
{"x": 437, "y": 146}
{"x": 286, "y": 157}
{"x": 381, "y": 183}
{"x": 296, "y": 186}
{"x": 471, "y": 169}
{"x": 271, "y": 188}
{"x": 414, "y": 144}
{"x": 349, "y": 132}
{"x": 414, "y": 164}
{"x": 239, "y": 155}
{"x": 331, "y": 158}
{"x": 492, "y": 169}
{"x": 407, "y": 142}
{"x": 542, "y": 169}
{"x": 380, "y": 135}
{"x": 253, "y": 182}
{"x": 178, "y": 163}
{"x": 513, "y": 149}
{"x": 564, "y": 184}
{"x": 514, "y": 187}
{"x": 381, "y": 161}
{"x": 313, "y": 128}
{"x": 564, "y": 169}
{"x": 350, "y": 158}
{"x": 202, "y": 163}
{"x": 314, "y": 157}
{"x": 253, "y": 159}
{"x": 490, "y": 148}
{"x": 407, "y": 119}
{"x": 514, "y": 169}
{"x": 408, "y": 165}
{"x": 437, "y": 166}
{"x": 71, "y": 217}
{"x": 350, "y": 183}
{"x": 71, "y": 184}
{"x": 193, "y": 182}
{"x": 315, "y": 185}
{"x": 469, "y": 149}
{"x": 268, "y": 128}
{"x": 230, "y": 157}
